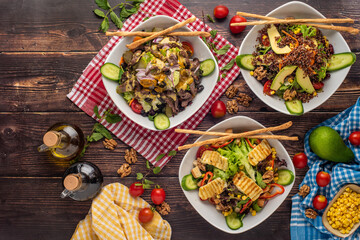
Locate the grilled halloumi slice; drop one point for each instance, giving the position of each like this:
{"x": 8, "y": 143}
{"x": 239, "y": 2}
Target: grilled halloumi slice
{"x": 247, "y": 186}
{"x": 212, "y": 188}
{"x": 259, "y": 153}
{"x": 215, "y": 159}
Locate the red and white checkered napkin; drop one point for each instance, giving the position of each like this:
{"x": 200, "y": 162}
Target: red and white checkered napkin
{"x": 90, "y": 91}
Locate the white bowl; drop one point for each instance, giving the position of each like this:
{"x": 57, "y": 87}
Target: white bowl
{"x": 297, "y": 10}
{"x": 207, "y": 210}
{"x": 201, "y": 51}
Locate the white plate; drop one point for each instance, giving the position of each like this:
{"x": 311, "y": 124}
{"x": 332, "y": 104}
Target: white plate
{"x": 298, "y": 10}
{"x": 201, "y": 51}
{"x": 207, "y": 210}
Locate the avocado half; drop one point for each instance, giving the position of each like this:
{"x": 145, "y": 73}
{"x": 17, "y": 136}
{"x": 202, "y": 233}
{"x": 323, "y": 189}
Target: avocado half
{"x": 328, "y": 145}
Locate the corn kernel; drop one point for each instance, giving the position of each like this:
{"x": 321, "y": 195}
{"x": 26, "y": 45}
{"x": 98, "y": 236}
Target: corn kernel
{"x": 264, "y": 36}
{"x": 252, "y": 73}
{"x": 253, "y": 212}
{"x": 297, "y": 30}
{"x": 315, "y": 93}
{"x": 272, "y": 92}
{"x": 276, "y": 179}
{"x": 244, "y": 197}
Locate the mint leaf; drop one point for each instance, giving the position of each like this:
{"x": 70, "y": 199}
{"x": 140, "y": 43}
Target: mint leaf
{"x": 125, "y": 13}
{"x": 139, "y": 176}
{"x": 156, "y": 170}
{"x": 116, "y": 20}
{"x": 147, "y": 164}
{"x": 148, "y": 181}
{"x": 223, "y": 75}
{"x": 222, "y": 50}
{"x": 101, "y": 129}
{"x": 95, "y": 137}
{"x": 103, "y": 4}
{"x": 99, "y": 13}
{"x": 104, "y": 25}
{"x": 210, "y": 18}
{"x": 96, "y": 111}
{"x": 172, "y": 153}
{"x": 160, "y": 156}
{"x": 229, "y": 65}
{"x": 213, "y": 33}
{"x": 113, "y": 118}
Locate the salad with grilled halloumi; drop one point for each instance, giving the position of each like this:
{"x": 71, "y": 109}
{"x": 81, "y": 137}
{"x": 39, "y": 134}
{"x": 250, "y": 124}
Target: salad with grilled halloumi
{"x": 238, "y": 177}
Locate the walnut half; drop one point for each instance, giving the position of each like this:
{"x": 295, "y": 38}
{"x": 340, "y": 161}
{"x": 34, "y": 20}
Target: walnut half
{"x": 304, "y": 190}
{"x": 232, "y": 107}
{"x": 310, "y": 213}
{"x": 231, "y": 91}
{"x": 130, "y": 156}
{"x": 268, "y": 176}
{"x": 289, "y": 94}
{"x": 163, "y": 208}
{"x": 110, "y": 144}
{"x": 124, "y": 170}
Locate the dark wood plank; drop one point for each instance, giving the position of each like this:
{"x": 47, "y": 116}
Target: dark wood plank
{"x": 38, "y": 212}
{"x": 34, "y": 82}
{"x": 21, "y": 133}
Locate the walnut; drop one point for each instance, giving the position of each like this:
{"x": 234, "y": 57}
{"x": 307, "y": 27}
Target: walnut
{"x": 124, "y": 170}
{"x": 268, "y": 176}
{"x": 244, "y": 99}
{"x": 163, "y": 208}
{"x": 304, "y": 190}
{"x": 260, "y": 73}
{"x": 130, "y": 156}
{"x": 289, "y": 94}
{"x": 223, "y": 208}
{"x": 110, "y": 144}
{"x": 231, "y": 91}
{"x": 200, "y": 165}
{"x": 232, "y": 107}
{"x": 310, "y": 213}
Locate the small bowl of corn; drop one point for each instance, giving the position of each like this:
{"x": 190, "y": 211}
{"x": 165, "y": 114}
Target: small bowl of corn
{"x": 342, "y": 215}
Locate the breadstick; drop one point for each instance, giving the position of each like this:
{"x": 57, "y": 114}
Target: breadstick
{"x": 283, "y": 21}
{"x": 146, "y": 34}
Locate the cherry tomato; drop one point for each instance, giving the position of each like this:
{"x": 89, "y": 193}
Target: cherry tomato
{"x": 267, "y": 90}
{"x": 318, "y": 85}
{"x": 158, "y": 195}
{"x": 136, "y": 189}
{"x": 188, "y": 47}
{"x": 218, "y": 109}
{"x": 136, "y": 106}
{"x": 322, "y": 178}
{"x": 354, "y": 138}
{"x": 202, "y": 149}
{"x": 300, "y": 160}
{"x": 221, "y": 11}
{"x": 237, "y": 19}
{"x": 320, "y": 202}
{"x": 145, "y": 215}
{"x": 265, "y": 40}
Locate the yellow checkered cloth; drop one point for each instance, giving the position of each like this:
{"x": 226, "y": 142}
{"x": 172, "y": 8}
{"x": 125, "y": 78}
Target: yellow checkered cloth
{"x": 114, "y": 215}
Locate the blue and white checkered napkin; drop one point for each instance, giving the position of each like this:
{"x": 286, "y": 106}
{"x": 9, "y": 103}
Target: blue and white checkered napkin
{"x": 302, "y": 227}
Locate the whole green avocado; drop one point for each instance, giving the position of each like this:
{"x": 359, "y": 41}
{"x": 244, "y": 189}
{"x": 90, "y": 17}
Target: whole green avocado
{"x": 328, "y": 145}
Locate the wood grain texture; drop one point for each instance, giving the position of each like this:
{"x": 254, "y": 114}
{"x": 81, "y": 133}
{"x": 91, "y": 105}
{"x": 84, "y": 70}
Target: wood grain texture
{"x": 44, "y": 46}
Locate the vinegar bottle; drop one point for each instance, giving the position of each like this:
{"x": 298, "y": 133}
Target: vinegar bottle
{"x": 82, "y": 181}
{"x": 64, "y": 141}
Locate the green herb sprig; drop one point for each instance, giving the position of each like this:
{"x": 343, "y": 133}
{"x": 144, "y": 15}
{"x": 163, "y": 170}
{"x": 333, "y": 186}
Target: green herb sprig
{"x": 126, "y": 10}
{"x": 145, "y": 183}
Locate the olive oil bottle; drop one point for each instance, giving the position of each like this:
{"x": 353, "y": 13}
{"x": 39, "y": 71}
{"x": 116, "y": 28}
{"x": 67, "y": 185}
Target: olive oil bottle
{"x": 82, "y": 181}
{"x": 63, "y": 141}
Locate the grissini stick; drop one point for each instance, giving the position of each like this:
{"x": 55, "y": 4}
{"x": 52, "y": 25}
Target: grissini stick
{"x": 146, "y": 34}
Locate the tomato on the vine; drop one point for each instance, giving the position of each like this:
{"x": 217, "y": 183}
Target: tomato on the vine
{"x": 237, "y": 19}
{"x": 218, "y": 109}
{"x": 136, "y": 189}
{"x": 320, "y": 202}
{"x": 136, "y": 106}
{"x": 145, "y": 215}
{"x": 202, "y": 149}
{"x": 267, "y": 90}
{"x": 221, "y": 11}
{"x": 158, "y": 196}
{"x": 318, "y": 85}
{"x": 188, "y": 47}
{"x": 322, "y": 178}
{"x": 354, "y": 138}
{"x": 300, "y": 160}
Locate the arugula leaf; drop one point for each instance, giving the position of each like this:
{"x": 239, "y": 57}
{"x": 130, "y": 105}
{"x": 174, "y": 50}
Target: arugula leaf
{"x": 229, "y": 65}
{"x": 101, "y": 129}
{"x": 139, "y": 176}
{"x": 213, "y": 33}
{"x": 103, "y": 4}
{"x": 307, "y": 31}
{"x": 95, "y": 137}
{"x": 99, "y": 13}
{"x": 222, "y": 50}
{"x": 259, "y": 180}
{"x": 105, "y": 24}
{"x": 160, "y": 156}
{"x": 96, "y": 111}
{"x": 113, "y": 118}
{"x": 264, "y": 51}
{"x": 156, "y": 170}
{"x": 118, "y": 23}
{"x": 210, "y": 18}
{"x": 172, "y": 153}
{"x": 147, "y": 164}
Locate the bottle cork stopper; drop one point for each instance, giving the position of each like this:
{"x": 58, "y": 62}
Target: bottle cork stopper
{"x": 51, "y": 139}
{"x": 72, "y": 182}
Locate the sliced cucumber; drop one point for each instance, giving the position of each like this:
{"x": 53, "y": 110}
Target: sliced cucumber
{"x": 189, "y": 183}
{"x": 233, "y": 221}
{"x": 244, "y": 61}
{"x": 110, "y": 71}
{"x": 161, "y": 121}
{"x": 341, "y": 60}
{"x": 207, "y": 67}
{"x": 286, "y": 177}
{"x": 294, "y": 107}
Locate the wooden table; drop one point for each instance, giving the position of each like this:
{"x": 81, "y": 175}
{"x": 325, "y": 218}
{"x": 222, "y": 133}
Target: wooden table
{"x": 45, "y": 45}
